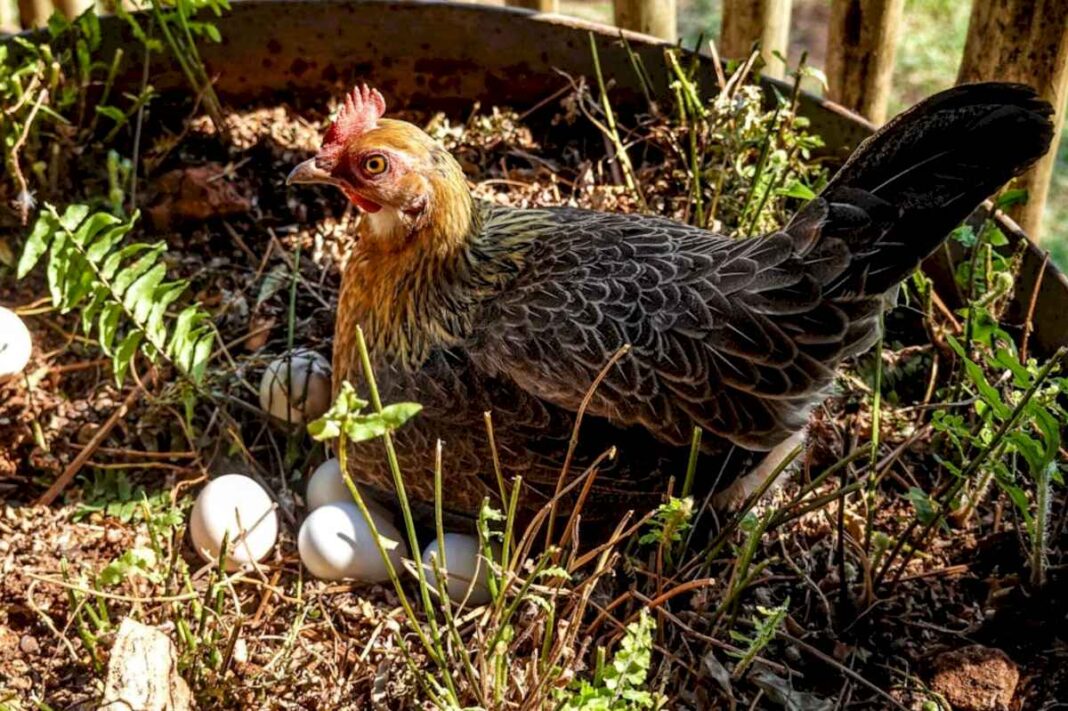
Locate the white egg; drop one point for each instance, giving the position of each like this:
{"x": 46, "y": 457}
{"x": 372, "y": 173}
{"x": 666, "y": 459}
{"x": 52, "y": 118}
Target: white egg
{"x": 465, "y": 568}
{"x": 335, "y": 543}
{"x": 295, "y": 387}
{"x": 15, "y": 344}
{"x": 227, "y": 506}
{"x": 327, "y": 487}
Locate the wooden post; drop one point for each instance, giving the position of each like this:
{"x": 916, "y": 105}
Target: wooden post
{"x": 860, "y": 54}
{"x": 539, "y": 5}
{"x": 746, "y": 22}
{"x": 8, "y": 22}
{"x": 72, "y": 8}
{"x": 653, "y": 17}
{"x": 33, "y": 13}
{"x": 1024, "y": 41}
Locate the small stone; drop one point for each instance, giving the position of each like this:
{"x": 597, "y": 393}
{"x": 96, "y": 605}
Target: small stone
{"x": 240, "y": 651}
{"x": 143, "y": 671}
{"x": 975, "y": 678}
{"x": 29, "y": 646}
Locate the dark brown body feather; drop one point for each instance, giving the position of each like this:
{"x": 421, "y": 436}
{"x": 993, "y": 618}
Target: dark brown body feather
{"x": 738, "y": 337}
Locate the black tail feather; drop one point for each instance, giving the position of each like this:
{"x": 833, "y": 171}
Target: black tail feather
{"x": 905, "y": 188}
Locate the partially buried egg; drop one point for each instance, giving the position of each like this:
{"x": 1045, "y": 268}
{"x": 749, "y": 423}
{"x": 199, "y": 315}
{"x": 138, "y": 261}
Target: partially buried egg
{"x": 466, "y": 569}
{"x": 335, "y": 543}
{"x": 326, "y": 486}
{"x": 295, "y": 387}
{"x": 15, "y": 344}
{"x": 238, "y": 509}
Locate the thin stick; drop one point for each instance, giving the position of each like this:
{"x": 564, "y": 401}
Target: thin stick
{"x": 24, "y": 190}
{"x": 1029, "y": 322}
{"x": 575, "y": 435}
{"x": 75, "y": 466}
{"x": 846, "y": 671}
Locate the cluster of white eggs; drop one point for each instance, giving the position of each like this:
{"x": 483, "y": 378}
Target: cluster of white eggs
{"x": 335, "y": 541}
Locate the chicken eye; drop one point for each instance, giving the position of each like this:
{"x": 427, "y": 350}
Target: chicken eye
{"x": 375, "y": 164}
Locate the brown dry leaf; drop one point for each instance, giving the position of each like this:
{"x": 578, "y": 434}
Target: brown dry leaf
{"x": 259, "y": 332}
{"x": 195, "y": 194}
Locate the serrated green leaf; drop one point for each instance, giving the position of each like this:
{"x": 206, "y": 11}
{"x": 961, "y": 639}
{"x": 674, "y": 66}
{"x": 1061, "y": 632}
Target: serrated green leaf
{"x": 114, "y": 113}
{"x": 324, "y": 429}
{"x": 1050, "y": 428}
{"x": 124, "y": 355}
{"x": 131, "y": 273}
{"x": 155, "y": 326}
{"x": 360, "y": 428}
{"x": 797, "y": 189}
{"x": 108, "y": 326}
{"x": 181, "y": 343}
{"x": 138, "y": 297}
{"x": 90, "y": 310}
{"x": 92, "y": 226}
{"x": 58, "y": 265}
{"x": 107, "y": 241}
{"x": 987, "y": 392}
{"x": 921, "y": 502}
{"x": 37, "y": 243}
{"x": 78, "y": 282}
{"x": 116, "y": 259}
{"x": 1021, "y": 378}
{"x": 202, "y": 355}
{"x": 73, "y": 216}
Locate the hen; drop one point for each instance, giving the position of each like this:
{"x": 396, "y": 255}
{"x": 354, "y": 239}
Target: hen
{"x": 470, "y": 307}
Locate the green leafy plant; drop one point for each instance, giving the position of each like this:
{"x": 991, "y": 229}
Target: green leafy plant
{"x": 174, "y": 19}
{"x": 1018, "y": 427}
{"x": 135, "y": 562}
{"x": 120, "y": 290}
{"x": 765, "y": 628}
{"x": 346, "y": 415}
{"x": 111, "y": 493}
{"x": 670, "y": 522}
{"x": 44, "y": 91}
{"x": 744, "y": 162}
{"x": 620, "y": 684}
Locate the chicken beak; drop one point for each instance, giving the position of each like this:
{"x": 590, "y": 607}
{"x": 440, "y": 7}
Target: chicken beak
{"x": 309, "y": 172}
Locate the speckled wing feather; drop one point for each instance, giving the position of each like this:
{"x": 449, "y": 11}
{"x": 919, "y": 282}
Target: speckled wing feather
{"x": 740, "y": 338}
{"x": 732, "y": 336}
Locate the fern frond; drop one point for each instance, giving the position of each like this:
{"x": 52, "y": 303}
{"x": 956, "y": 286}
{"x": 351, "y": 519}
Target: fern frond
{"x": 121, "y": 290}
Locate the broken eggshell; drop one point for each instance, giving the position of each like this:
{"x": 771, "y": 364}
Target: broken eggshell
{"x": 224, "y": 508}
{"x": 325, "y": 486}
{"x": 15, "y": 344}
{"x": 335, "y": 543}
{"x": 295, "y": 387}
{"x": 465, "y": 568}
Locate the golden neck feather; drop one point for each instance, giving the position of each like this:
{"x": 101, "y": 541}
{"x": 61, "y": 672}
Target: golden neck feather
{"x": 404, "y": 279}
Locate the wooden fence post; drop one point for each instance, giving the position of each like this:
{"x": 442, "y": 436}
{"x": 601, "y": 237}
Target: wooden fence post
{"x": 1024, "y": 41}
{"x": 72, "y": 8}
{"x": 653, "y": 17}
{"x": 746, "y": 22}
{"x": 8, "y": 21}
{"x": 34, "y": 13}
{"x": 539, "y": 5}
{"x": 860, "y": 54}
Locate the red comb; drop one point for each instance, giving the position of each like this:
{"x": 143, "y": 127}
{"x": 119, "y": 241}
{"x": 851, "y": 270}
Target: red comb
{"x": 360, "y": 112}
